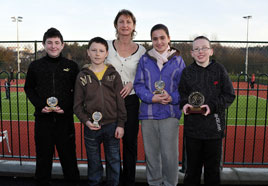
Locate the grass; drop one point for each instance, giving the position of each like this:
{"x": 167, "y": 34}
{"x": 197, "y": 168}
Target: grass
{"x": 248, "y": 110}
{"x": 243, "y": 110}
{"x": 21, "y": 110}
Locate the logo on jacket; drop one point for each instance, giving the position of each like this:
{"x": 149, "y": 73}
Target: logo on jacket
{"x": 66, "y": 69}
{"x": 218, "y": 122}
{"x": 110, "y": 78}
{"x": 85, "y": 79}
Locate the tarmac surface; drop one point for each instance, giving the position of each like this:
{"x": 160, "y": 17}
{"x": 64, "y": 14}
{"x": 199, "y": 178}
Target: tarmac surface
{"x": 23, "y": 181}
{"x": 13, "y": 173}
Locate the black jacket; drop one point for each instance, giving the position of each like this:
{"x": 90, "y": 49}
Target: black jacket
{"x": 213, "y": 82}
{"x": 48, "y": 77}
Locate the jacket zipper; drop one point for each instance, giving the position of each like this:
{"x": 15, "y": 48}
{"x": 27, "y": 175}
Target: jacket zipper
{"x": 102, "y": 100}
{"x": 54, "y": 92}
{"x": 53, "y": 82}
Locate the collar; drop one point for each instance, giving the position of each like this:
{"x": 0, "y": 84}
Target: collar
{"x": 53, "y": 60}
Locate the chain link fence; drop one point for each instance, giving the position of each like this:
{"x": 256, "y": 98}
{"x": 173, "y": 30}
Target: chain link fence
{"x": 246, "y": 138}
{"x": 231, "y": 54}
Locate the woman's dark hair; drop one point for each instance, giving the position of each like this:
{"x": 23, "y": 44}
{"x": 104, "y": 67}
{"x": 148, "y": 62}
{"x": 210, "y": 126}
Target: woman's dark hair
{"x": 98, "y": 40}
{"x": 128, "y": 14}
{"x": 52, "y": 32}
{"x": 160, "y": 27}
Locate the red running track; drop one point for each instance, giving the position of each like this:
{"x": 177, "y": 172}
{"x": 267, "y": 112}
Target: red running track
{"x": 243, "y": 142}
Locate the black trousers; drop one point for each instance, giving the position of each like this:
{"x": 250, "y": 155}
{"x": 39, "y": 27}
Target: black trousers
{"x": 184, "y": 156}
{"x": 201, "y": 153}
{"x": 130, "y": 140}
{"x": 55, "y": 130}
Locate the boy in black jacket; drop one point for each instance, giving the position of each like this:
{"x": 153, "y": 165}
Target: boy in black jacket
{"x": 49, "y": 86}
{"x": 204, "y": 129}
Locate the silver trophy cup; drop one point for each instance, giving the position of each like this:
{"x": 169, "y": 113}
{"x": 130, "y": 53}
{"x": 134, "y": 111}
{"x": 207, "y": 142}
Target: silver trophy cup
{"x": 159, "y": 86}
{"x": 52, "y": 102}
{"x": 96, "y": 116}
{"x": 196, "y": 99}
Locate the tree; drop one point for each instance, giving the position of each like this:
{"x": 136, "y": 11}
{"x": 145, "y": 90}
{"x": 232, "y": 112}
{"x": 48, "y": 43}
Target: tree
{"x": 7, "y": 58}
{"x": 76, "y": 52}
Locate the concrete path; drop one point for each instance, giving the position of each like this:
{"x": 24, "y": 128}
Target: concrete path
{"x": 229, "y": 176}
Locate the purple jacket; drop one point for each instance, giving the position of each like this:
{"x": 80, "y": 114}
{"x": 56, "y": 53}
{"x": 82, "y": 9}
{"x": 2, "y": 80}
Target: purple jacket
{"x": 147, "y": 74}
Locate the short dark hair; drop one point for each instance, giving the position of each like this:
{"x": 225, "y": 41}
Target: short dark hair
{"x": 202, "y": 37}
{"x": 98, "y": 40}
{"x": 127, "y": 13}
{"x": 160, "y": 27}
{"x": 52, "y": 32}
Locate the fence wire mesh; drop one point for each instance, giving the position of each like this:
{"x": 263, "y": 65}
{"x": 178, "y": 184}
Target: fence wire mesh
{"x": 246, "y": 135}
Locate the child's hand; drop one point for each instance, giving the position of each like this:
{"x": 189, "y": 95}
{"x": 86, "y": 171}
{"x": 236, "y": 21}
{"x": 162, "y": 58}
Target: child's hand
{"x": 207, "y": 109}
{"x": 186, "y": 107}
{"x": 46, "y": 110}
{"x": 58, "y": 110}
{"x": 164, "y": 98}
{"x": 156, "y": 98}
{"x": 119, "y": 132}
{"x": 91, "y": 126}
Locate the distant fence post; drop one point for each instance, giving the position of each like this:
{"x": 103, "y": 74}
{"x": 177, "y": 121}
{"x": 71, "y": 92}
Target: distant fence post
{"x": 35, "y": 50}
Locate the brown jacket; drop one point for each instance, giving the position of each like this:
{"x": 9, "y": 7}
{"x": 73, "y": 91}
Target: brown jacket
{"x": 103, "y": 95}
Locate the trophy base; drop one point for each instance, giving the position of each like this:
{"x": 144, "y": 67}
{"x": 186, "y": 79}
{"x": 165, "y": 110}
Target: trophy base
{"x": 196, "y": 110}
{"x": 96, "y": 125}
{"x": 52, "y": 108}
{"x": 158, "y": 92}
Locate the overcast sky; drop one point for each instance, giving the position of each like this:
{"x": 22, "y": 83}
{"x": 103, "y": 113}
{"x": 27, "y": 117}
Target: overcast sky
{"x": 84, "y": 19}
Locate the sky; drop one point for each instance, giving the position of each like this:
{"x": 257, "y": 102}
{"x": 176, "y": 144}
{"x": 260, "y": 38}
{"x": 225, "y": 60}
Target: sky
{"x": 220, "y": 20}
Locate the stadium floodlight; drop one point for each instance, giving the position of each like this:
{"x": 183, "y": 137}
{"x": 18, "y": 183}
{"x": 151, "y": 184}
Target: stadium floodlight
{"x": 246, "y": 61}
{"x": 17, "y": 20}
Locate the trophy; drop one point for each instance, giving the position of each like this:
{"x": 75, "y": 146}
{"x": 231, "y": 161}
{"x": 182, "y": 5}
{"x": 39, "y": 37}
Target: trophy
{"x": 159, "y": 86}
{"x": 52, "y": 102}
{"x": 196, "y": 99}
{"x": 96, "y": 116}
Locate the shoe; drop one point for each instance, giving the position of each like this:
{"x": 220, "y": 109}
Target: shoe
{"x": 182, "y": 170}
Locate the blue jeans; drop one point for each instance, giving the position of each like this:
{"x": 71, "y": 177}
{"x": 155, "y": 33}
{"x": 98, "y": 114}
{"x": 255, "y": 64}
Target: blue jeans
{"x": 93, "y": 140}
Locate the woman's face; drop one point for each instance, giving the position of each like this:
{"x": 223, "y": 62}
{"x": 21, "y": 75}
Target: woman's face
{"x": 160, "y": 40}
{"x": 125, "y": 25}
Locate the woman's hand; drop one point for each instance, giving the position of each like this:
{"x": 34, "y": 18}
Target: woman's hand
{"x": 126, "y": 90}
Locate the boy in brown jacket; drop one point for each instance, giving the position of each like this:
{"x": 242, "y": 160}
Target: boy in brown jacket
{"x": 101, "y": 109}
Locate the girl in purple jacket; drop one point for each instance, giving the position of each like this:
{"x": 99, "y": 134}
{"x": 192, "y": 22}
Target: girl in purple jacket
{"x": 156, "y": 84}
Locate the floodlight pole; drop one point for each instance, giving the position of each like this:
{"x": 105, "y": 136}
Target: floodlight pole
{"x": 17, "y": 20}
{"x": 246, "y": 62}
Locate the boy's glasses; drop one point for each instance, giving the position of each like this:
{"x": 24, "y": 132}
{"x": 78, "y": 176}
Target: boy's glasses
{"x": 203, "y": 49}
